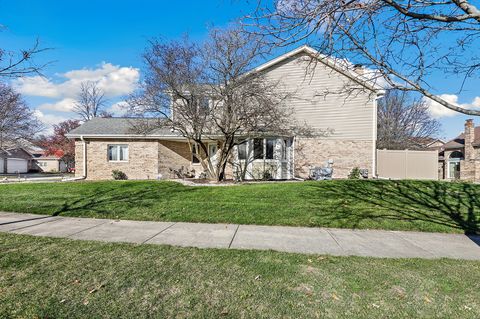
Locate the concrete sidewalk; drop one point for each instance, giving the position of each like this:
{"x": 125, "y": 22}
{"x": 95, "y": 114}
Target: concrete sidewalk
{"x": 339, "y": 242}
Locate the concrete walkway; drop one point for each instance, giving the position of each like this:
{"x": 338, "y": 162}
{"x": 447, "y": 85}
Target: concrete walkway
{"x": 339, "y": 242}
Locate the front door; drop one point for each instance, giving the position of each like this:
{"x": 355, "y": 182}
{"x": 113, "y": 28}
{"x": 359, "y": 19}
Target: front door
{"x": 454, "y": 169}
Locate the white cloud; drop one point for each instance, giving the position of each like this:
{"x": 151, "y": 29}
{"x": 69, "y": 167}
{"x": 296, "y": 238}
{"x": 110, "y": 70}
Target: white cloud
{"x": 437, "y": 110}
{"x": 64, "y": 105}
{"x": 36, "y": 86}
{"x": 119, "y": 108}
{"x": 49, "y": 120}
{"x": 476, "y": 102}
{"x": 113, "y": 79}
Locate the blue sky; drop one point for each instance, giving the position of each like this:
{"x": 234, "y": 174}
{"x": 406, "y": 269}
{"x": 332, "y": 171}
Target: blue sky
{"x": 103, "y": 40}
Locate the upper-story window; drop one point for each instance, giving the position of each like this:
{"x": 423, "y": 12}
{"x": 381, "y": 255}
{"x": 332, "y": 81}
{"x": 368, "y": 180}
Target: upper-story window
{"x": 118, "y": 153}
{"x": 204, "y": 103}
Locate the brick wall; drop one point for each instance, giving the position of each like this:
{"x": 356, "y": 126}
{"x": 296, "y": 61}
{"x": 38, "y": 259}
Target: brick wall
{"x": 78, "y": 158}
{"x": 149, "y": 158}
{"x": 142, "y": 161}
{"x": 172, "y": 155}
{"x": 346, "y": 155}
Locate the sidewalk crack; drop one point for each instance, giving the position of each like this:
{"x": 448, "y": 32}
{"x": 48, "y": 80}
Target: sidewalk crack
{"x": 234, "y": 234}
{"x": 78, "y": 232}
{"x": 143, "y": 242}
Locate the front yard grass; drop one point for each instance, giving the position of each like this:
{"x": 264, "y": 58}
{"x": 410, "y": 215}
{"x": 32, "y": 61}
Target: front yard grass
{"x": 60, "y": 278}
{"x": 375, "y": 204}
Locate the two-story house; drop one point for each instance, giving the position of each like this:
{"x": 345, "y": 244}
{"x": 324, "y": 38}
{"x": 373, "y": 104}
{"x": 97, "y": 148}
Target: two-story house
{"x": 332, "y": 97}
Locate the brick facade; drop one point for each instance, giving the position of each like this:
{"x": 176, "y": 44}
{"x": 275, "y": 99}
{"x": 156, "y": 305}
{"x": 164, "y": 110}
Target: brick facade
{"x": 173, "y": 155}
{"x": 151, "y": 159}
{"x": 346, "y": 154}
{"x": 147, "y": 158}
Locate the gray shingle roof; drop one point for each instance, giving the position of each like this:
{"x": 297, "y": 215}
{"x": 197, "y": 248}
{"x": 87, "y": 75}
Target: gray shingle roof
{"x": 122, "y": 126}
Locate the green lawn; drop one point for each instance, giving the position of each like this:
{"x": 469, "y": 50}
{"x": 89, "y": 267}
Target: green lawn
{"x": 60, "y": 278}
{"x": 393, "y": 205}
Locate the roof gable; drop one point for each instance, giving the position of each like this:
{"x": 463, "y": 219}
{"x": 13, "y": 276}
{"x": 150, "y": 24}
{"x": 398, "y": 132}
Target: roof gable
{"x": 343, "y": 67}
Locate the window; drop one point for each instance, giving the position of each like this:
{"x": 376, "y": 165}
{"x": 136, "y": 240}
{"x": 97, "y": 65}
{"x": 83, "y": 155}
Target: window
{"x": 242, "y": 151}
{"x": 204, "y": 103}
{"x": 270, "y": 145}
{"x": 118, "y": 153}
{"x": 258, "y": 148}
{"x": 195, "y": 157}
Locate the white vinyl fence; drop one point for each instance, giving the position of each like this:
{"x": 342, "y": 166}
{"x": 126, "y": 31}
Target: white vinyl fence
{"x": 406, "y": 164}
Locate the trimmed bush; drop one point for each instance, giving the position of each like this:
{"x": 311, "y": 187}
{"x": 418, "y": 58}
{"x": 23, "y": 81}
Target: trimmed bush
{"x": 119, "y": 175}
{"x": 354, "y": 173}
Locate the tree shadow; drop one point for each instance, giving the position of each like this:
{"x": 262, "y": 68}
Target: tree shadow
{"x": 109, "y": 202}
{"x": 449, "y": 205}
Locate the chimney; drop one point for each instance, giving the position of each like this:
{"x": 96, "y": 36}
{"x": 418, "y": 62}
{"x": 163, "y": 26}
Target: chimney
{"x": 359, "y": 69}
{"x": 469, "y": 136}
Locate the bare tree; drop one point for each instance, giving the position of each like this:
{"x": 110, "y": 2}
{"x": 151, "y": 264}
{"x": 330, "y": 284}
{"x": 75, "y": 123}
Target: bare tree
{"x": 403, "y": 121}
{"x": 17, "y": 121}
{"x": 403, "y": 41}
{"x": 15, "y": 64}
{"x": 90, "y": 101}
{"x": 207, "y": 94}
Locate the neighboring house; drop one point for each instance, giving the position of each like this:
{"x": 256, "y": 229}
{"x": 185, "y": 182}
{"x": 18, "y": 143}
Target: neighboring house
{"x": 15, "y": 160}
{"x": 49, "y": 163}
{"x": 459, "y": 156}
{"x": 319, "y": 99}
{"x": 428, "y": 143}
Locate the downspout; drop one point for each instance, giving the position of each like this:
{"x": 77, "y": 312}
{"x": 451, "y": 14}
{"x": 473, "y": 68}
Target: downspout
{"x": 293, "y": 157}
{"x": 84, "y": 155}
{"x": 374, "y": 134}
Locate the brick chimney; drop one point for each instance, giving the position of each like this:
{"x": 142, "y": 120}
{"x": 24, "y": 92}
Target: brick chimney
{"x": 469, "y": 136}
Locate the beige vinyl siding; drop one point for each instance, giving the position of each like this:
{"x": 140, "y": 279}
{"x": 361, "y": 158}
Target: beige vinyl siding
{"x": 350, "y": 116}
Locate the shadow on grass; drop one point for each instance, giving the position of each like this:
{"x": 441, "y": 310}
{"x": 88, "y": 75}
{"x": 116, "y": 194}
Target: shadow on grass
{"x": 107, "y": 201}
{"x": 445, "y": 204}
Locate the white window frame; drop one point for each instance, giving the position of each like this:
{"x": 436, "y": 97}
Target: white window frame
{"x": 118, "y": 146}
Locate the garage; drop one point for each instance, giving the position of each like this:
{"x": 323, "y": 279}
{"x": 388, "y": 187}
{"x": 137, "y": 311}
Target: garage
{"x": 1, "y": 165}
{"x": 17, "y": 165}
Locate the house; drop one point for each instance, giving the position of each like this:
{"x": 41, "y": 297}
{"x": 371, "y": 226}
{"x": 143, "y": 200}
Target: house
{"x": 106, "y": 144}
{"x": 427, "y": 143}
{"x": 15, "y": 160}
{"x": 459, "y": 156}
{"x": 48, "y": 163}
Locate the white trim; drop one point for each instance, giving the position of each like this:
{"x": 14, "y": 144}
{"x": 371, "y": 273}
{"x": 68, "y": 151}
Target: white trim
{"x": 118, "y": 147}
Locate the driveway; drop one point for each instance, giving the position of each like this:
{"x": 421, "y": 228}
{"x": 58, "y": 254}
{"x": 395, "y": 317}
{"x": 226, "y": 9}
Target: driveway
{"x": 32, "y": 177}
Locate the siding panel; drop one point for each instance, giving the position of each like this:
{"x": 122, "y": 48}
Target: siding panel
{"x": 319, "y": 99}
